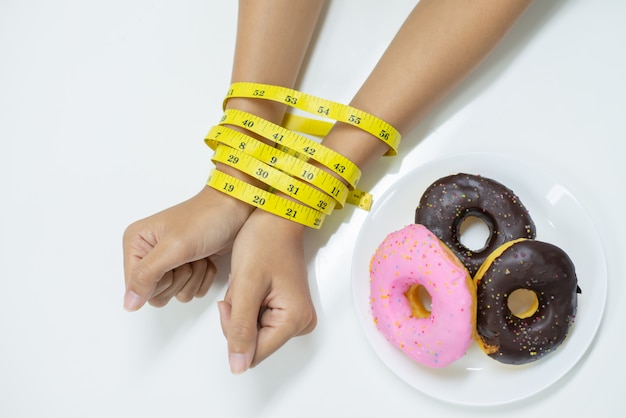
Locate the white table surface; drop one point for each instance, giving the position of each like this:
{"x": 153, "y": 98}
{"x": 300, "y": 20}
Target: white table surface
{"x": 103, "y": 108}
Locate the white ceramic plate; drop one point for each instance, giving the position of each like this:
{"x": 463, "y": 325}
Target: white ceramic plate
{"x": 560, "y": 218}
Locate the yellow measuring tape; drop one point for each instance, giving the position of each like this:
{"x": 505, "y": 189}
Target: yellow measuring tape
{"x": 315, "y": 127}
{"x": 265, "y": 200}
{"x": 285, "y": 162}
{"x": 286, "y": 167}
{"x": 321, "y": 107}
{"x": 291, "y": 140}
{"x": 275, "y": 178}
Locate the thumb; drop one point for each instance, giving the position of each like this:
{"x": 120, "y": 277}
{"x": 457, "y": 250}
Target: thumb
{"x": 143, "y": 273}
{"x": 239, "y": 320}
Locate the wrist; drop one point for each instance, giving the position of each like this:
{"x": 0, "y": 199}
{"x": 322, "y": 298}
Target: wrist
{"x": 265, "y": 109}
{"x": 212, "y": 197}
{"x": 359, "y": 146}
{"x": 285, "y": 227}
{"x": 356, "y": 139}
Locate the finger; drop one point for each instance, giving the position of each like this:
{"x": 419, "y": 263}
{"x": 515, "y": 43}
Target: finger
{"x": 165, "y": 282}
{"x": 135, "y": 247}
{"x": 278, "y": 327}
{"x": 143, "y": 274}
{"x": 180, "y": 276}
{"x": 208, "y": 279}
{"x": 193, "y": 286}
{"x": 190, "y": 288}
{"x": 241, "y": 331}
{"x": 310, "y": 326}
{"x": 227, "y": 297}
{"x": 224, "y": 309}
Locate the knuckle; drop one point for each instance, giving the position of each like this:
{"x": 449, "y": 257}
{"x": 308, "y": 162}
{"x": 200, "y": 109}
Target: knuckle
{"x": 205, "y": 286}
{"x": 306, "y": 319}
{"x": 211, "y": 268}
{"x": 129, "y": 232}
{"x": 184, "y": 271}
{"x": 159, "y": 301}
{"x": 184, "y": 296}
{"x": 200, "y": 264}
{"x": 310, "y": 324}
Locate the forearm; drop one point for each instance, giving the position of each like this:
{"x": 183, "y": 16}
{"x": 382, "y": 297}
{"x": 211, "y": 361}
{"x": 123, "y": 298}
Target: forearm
{"x": 272, "y": 40}
{"x": 438, "y": 45}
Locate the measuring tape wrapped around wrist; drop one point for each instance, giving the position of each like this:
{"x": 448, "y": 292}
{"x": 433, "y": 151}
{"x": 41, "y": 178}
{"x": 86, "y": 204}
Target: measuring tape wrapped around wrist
{"x": 305, "y": 147}
{"x": 275, "y": 178}
{"x": 322, "y": 107}
{"x": 265, "y": 200}
{"x": 284, "y": 162}
{"x": 286, "y": 168}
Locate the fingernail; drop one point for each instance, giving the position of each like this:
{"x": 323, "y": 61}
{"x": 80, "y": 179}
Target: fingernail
{"x": 239, "y": 363}
{"x": 132, "y": 301}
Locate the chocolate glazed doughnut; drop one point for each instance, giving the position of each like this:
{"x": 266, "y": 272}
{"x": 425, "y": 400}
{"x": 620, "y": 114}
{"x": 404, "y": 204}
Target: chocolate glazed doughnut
{"x": 524, "y": 337}
{"x": 452, "y": 199}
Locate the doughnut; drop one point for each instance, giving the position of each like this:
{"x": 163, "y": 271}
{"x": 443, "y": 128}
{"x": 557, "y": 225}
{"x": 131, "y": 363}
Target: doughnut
{"x": 526, "y": 336}
{"x": 414, "y": 258}
{"x": 450, "y": 200}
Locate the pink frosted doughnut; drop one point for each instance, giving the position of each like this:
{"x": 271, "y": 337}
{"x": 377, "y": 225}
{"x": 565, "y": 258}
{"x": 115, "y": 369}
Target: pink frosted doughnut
{"x": 405, "y": 260}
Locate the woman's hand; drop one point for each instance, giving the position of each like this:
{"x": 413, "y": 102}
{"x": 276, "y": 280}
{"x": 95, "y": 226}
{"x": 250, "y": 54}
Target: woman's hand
{"x": 268, "y": 299}
{"x": 168, "y": 254}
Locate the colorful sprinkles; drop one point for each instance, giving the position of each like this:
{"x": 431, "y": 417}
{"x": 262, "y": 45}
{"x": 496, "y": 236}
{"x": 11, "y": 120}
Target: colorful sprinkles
{"x": 445, "y": 335}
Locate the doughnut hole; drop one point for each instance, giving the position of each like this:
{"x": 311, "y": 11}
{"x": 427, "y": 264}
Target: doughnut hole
{"x": 523, "y": 303}
{"x": 474, "y": 233}
{"x": 419, "y": 301}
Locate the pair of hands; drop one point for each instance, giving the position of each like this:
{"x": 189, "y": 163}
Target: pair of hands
{"x": 267, "y": 301}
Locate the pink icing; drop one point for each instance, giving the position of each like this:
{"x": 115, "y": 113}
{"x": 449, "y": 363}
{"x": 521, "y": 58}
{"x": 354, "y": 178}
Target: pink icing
{"x": 413, "y": 255}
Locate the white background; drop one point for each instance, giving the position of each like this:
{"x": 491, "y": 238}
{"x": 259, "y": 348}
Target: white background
{"x": 103, "y": 108}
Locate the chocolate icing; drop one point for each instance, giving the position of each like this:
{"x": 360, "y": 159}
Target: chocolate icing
{"x": 450, "y": 200}
{"x": 549, "y": 272}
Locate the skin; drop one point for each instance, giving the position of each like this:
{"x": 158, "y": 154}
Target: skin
{"x": 268, "y": 300}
